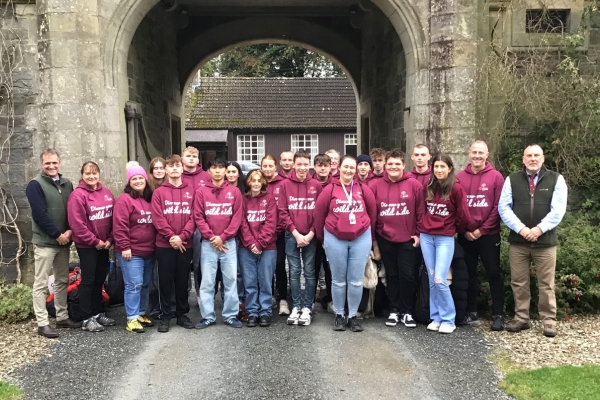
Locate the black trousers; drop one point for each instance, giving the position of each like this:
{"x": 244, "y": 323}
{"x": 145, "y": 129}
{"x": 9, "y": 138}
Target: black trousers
{"x": 321, "y": 258}
{"x": 486, "y": 248}
{"x": 401, "y": 266}
{"x": 173, "y": 276}
{"x": 281, "y": 276}
{"x": 94, "y": 268}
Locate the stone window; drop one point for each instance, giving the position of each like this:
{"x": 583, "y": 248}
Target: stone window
{"x": 546, "y": 21}
{"x": 307, "y": 143}
{"x": 351, "y": 144}
{"x": 251, "y": 148}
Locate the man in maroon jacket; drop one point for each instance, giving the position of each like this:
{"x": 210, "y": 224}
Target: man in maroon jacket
{"x": 420, "y": 158}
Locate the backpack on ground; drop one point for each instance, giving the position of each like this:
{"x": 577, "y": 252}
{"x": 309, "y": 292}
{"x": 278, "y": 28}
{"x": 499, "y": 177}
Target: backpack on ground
{"x": 115, "y": 285}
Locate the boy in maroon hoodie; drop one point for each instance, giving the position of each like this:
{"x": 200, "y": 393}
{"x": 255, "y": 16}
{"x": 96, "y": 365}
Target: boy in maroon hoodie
{"x": 420, "y": 158}
{"x": 296, "y": 206}
{"x": 378, "y": 156}
{"x": 364, "y": 169}
{"x": 218, "y": 214}
{"x": 400, "y": 208}
{"x": 483, "y": 185}
{"x": 172, "y": 208}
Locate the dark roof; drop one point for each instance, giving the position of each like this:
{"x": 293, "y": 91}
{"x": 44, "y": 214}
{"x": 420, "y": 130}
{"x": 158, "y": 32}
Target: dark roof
{"x": 219, "y": 103}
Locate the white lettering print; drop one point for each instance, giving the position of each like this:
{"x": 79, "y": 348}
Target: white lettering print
{"x": 392, "y": 210}
{"x": 477, "y": 201}
{"x": 100, "y": 212}
{"x": 218, "y": 208}
{"x": 177, "y": 207}
{"x": 301, "y": 203}
{"x": 256, "y": 215}
{"x": 344, "y": 207}
{"x": 438, "y": 209}
{"x": 146, "y": 217}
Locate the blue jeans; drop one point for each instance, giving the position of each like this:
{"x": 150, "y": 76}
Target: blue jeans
{"x": 258, "y": 279}
{"x": 307, "y": 253}
{"x": 347, "y": 260}
{"x": 438, "y": 251}
{"x": 210, "y": 260}
{"x": 137, "y": 274}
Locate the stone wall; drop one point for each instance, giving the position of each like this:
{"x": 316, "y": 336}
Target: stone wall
{"x": 152, "y": 74}
{"x": 383, "y": 82}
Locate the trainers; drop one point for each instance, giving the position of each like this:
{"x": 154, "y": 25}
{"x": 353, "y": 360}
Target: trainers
{"x": 68, "y": 323}
{"x": 433, "y": 326}
{"x": 234, "y": 322}
{"x": 252, "y": 321}
{"x": 339, "y": 323}
{"x": 164, "y": 325}
{"x": 264, "y": 320}
{"x": 294, "y": 315}
{"x": 408, "y": 321}
{"x": 91, "y": 325}
{"x": 283, "y": 308}
{"x": 145, "y": 321}
{"x": 549, "y": 330}
{"x": 445, "y": 328}
{"x": 517, "y": 326}
{"x": 473, "y": 318}
{"x": 103, "y": 320}
{"x": 392, "y": 319}
{"x": 134, "y": 326}
{"x": 498, "y": 323}
{"x": 204, "y": 324}
{"x": 184, "y": 322}
{"x": 306, "y": 317}
{"x": 354, "y": 325}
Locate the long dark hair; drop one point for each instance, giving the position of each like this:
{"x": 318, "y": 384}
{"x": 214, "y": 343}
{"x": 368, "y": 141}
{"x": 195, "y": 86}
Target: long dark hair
{"x": 146, "y": 193}
{"x": 444, "y": 188}
{"x": 241, "y": 181}
{"x": 152, "y": 181}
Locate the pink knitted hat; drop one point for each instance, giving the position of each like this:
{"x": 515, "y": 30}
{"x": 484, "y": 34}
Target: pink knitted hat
{"x": 133, "y": 171}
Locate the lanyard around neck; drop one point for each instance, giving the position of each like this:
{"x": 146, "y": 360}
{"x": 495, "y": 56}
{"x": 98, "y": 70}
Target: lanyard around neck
{"x": 348, "y": 195}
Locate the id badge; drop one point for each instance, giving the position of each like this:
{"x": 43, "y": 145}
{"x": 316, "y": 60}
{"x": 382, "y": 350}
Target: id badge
{"x": 352, "y": 219}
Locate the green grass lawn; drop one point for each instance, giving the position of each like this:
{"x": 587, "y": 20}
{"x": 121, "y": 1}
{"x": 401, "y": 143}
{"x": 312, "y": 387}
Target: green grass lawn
{"x": 9, "y": 392}
{"x": 560, "y": 383}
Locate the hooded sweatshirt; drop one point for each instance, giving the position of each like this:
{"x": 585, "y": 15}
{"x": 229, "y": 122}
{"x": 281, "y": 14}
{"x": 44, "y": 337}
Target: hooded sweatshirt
{"x": 218, "y": 210}
{"x": 333, "y": 211}
{"x": 323, "y": 184}
{"x": 297, "y": 203}
{"x": 483, "y": 194}
{"x": 274, "y": 187}
{"x": 400, "y": 207}
{"x": 132, "y": 226}
{"x": 422, "y": 177}
{"x": 370, "y": 176}
{"x": 196, "y": 179}
{"x": 446, "y": 216}
{"x": 172, "y": 209}
{"x": 90, "y": 214}
{"x": 259, "y": 224}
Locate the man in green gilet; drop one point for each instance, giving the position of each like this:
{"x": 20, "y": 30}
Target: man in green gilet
{"x": 532, "y": 204}
{"x": 48, "y": 194}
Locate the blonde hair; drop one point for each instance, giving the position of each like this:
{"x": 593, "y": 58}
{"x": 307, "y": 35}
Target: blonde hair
{"x": 191, "y": 150}
{"x": 263, "y": 181}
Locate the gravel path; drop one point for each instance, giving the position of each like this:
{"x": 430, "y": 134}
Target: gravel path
{"x": 279, "y": 361}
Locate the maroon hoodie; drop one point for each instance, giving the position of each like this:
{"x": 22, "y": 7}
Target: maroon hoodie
{"x": 282, "y": 174}
{"x": 274, "y": 187}
{"x": 400, "y": 207}
{"x": 218, "y": 211}
{"x": 90, "y": 215}
{"x": 446, "y": 216}
{"x": 369, "y": 178}
{"x": 172, "y": 210}
{"x": 422, "y": 177}
{"x": 332, "y": 211}
{"x": 132, "y": 226}
{"x": 259, "y": 224}
{"x": 297, "y": 203}
{"x": 323, "y": 184}
{"x": 483, "y": 194}
{"x": 196, "y": 179}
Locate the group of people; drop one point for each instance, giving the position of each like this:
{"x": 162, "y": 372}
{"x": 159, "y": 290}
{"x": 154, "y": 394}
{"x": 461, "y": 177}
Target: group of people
{"x": 238, "y": 231}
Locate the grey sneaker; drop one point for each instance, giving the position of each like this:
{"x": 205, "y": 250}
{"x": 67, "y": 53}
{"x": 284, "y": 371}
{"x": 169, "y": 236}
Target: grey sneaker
{"x": 473, "y": 318}
{"x": 91, "y": 325}
{"x": 103, "y": 320}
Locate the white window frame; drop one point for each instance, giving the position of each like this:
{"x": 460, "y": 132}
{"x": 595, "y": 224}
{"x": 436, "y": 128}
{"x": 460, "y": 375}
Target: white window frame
{"x": 350, "y": 139}
{"x": 245, "y": 146}
{"x": 313, "y": 149}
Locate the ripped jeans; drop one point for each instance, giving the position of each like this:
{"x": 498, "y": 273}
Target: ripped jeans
{"x": 137, "y": 274}
{"x": 347, "y": 260}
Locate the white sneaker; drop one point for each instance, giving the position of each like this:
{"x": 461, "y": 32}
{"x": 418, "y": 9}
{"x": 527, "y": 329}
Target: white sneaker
{"x": 294, "y": 315}
{"x": 330, "y": 308}
{"x": 445, "y": 328}
{"x": 283, "y": 308}
{"x": 408, "y": 321}
{"x": 306, "y": 317}
{"x": 392, "y": 319}
{"x": 434, "y": 326}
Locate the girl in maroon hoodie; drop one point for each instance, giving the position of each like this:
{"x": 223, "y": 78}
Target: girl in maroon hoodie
{"x": 90, "y": 210}
{"x": 258, "y": 252}
{"x": 345, "y": 216}
{"x": 446, "y": 213}
{"x": 134, "y": 245}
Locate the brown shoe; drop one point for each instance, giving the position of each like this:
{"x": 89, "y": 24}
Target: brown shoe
{"x": 517, "y": 326}
{"x": 47, "y": 331}
{"x": 242, "y": 316}
{"x": 68, "y": 323}
{"x": 549, "y": 330}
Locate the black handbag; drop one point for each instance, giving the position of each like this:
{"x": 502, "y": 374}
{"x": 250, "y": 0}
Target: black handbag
{"x": 115, "y": 285}
{"x": 421, "y": 307}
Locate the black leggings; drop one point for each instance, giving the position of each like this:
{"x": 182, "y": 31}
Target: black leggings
{"x": 94, "y": 268}
{"x": 401, "y": 266}
{"x": 173, "y": 276}
{"x": 281, "y": 277}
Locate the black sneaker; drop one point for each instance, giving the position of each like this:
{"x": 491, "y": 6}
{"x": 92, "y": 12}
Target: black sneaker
{"x": 164, "y": 325}
{"x": 252, "y": 321}
{"x": 393, "y": 319}
{"x": 264, "y": 320}
{"x": 185, "y": 322}
{"x": 473, "y": 318}
{"x": 498, "y": 323}
{"x": 408, "y": 321}
{"x": 103, "y": 320}
{"x": 354, "y": 325}
{"x": 339, "y": 323}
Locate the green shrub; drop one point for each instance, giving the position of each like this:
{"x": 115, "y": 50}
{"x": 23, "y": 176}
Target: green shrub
{"x": 16, "y": 303}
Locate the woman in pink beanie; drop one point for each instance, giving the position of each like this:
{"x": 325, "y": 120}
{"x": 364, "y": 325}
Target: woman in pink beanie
{"x": 134, "y": 236}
